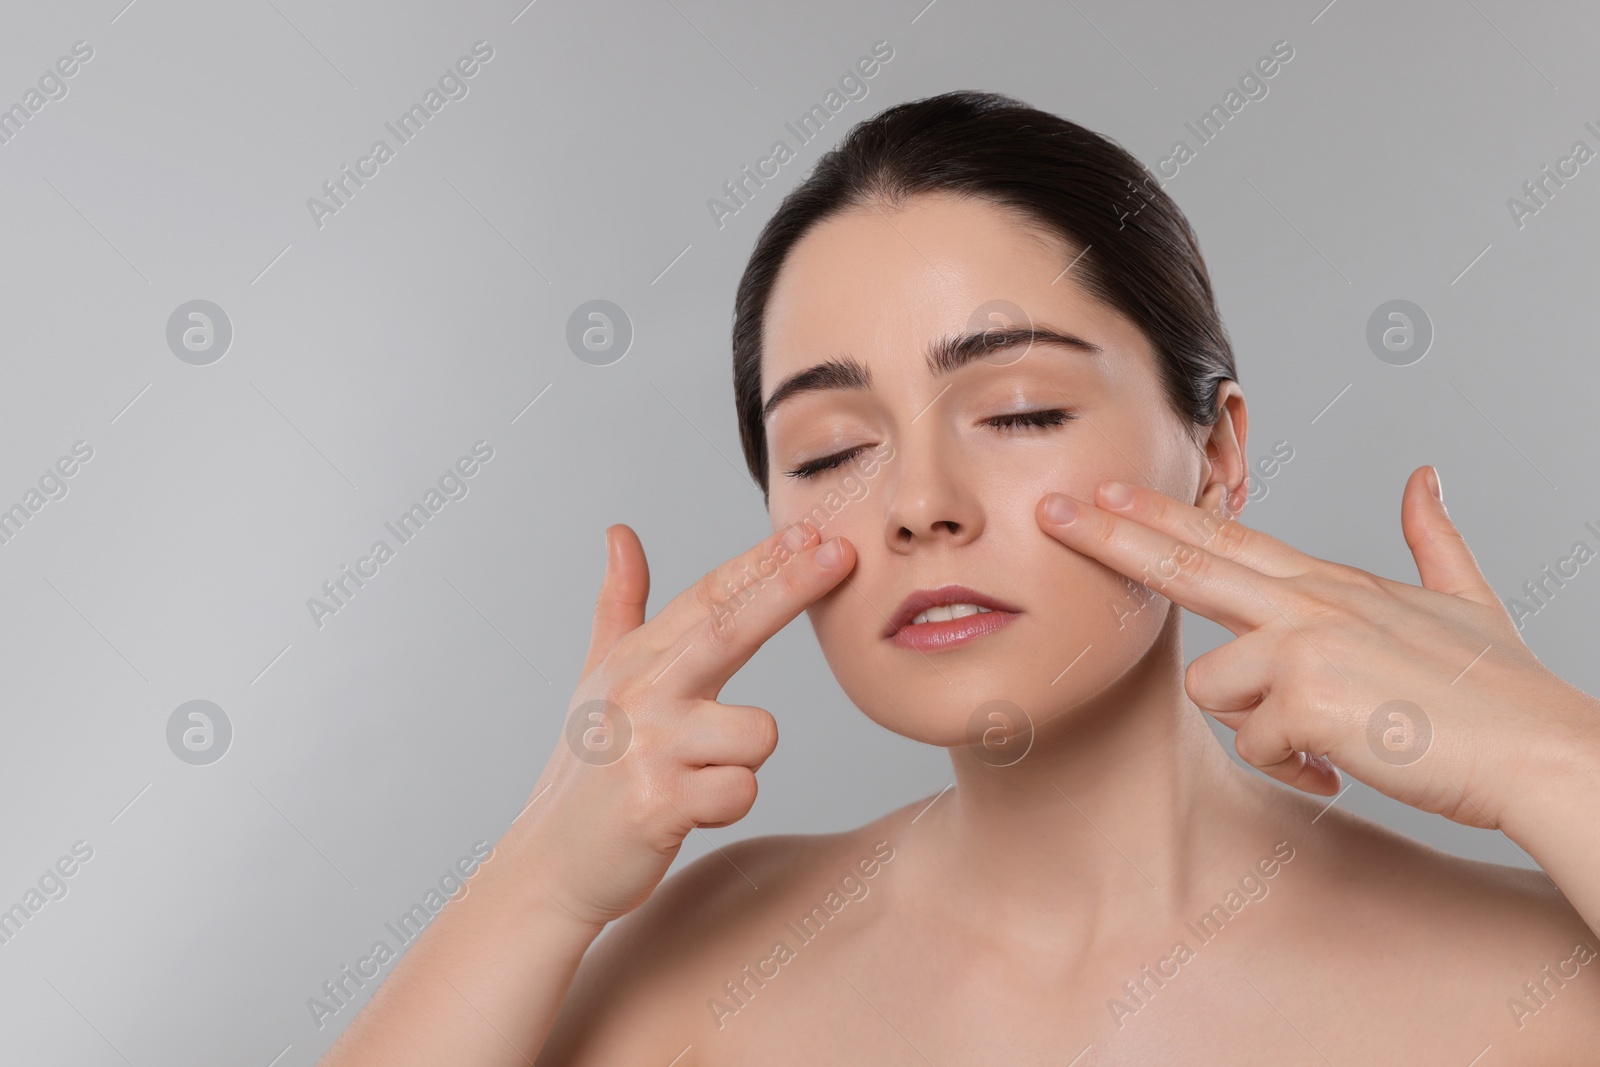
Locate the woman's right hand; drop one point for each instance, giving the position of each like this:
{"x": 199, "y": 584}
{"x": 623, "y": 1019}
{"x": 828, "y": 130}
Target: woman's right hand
{"x": 647, "y": 752}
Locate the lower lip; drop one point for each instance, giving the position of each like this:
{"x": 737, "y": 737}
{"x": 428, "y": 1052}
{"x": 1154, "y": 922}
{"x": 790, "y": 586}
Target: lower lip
{"x": 934, "y": 636}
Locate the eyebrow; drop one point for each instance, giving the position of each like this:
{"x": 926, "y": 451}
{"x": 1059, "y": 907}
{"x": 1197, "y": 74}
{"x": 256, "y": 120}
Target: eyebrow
{"x": 944, "y": 356}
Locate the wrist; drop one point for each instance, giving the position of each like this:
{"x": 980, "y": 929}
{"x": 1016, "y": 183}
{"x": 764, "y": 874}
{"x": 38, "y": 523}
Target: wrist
{"x": 1559, "y": 768}
{"x": 521, "y": 877}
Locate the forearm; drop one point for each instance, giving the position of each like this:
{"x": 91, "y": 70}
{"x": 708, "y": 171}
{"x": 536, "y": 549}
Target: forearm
{"x": 1555, "y": 816}
{"x": 483, "y": 984}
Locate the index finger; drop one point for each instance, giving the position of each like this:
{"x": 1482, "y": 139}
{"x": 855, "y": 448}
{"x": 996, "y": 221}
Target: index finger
{"x": 1219, "y": 531}
{"x": 1204, "y": 582}
{"x": 710, "y": 630}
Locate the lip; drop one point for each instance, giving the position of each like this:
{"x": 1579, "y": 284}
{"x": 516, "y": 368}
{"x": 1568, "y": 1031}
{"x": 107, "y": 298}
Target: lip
{"x": 948, "y": 594}
{"x": 937, "y": 636}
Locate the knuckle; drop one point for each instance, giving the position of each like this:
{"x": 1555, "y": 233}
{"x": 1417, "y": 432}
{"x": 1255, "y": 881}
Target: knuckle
{"x": 1105, "y": 533}
{"x": 1228, "y": 538}
{"x": 1188, "y": 561}
{"x": 1371, "y": 583}
{"x": 722, "y": 610}
{"x": 728, "y": 794}
{"x": 1321, "y": 606}
{"x": 1254, "y": 747}
{"x": 1300, "y": 657}
{"x": 794, "y": 581}
{"x": 626, "y": 693}
{"x": 764, "y": 727}
{"x": 720, "y": 632}
{"x": 706, "y": 595}
{"x": 1333, "y": 578}
{"x": 719, "y": 617}
{"x": 736, "y": 792}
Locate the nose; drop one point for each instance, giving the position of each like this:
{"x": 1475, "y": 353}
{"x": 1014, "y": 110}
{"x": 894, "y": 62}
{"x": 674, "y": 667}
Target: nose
{"x": 931, "y": 498}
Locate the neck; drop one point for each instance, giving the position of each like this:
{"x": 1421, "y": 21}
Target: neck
{"x": 1125, "y": 810}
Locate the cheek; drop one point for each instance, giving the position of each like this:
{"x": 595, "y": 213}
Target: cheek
{"x": 846, "y": 609}
{"x": 1079, "y": 601}
{"x": 846, "y": 509}
{"x": 1087, "y": 626}
{"x": 843, "y": 509}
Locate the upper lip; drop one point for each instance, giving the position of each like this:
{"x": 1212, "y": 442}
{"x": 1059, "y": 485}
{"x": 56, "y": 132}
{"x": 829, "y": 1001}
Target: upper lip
{"x": 921, "y": 599}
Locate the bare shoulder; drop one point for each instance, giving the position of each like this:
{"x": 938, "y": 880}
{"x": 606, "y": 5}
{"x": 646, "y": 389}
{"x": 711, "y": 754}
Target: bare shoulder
{"x": 1497, "y": 949}
{"x": 642, "y": 990}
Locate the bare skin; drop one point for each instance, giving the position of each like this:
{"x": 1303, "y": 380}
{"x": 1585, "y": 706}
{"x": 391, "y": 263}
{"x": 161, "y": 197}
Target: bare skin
{"x": 1367, "y": 948}
{"x": 1032, "y": 913}
{"x": 1021, "y": 902}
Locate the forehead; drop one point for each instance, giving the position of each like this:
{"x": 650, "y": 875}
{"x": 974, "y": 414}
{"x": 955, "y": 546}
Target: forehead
{"x": 879, "y": 283}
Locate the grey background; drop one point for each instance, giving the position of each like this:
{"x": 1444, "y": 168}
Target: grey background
{"x": 369, "y": 354}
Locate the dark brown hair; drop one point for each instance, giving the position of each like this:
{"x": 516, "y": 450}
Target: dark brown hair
{"x": 1138, "y": 254}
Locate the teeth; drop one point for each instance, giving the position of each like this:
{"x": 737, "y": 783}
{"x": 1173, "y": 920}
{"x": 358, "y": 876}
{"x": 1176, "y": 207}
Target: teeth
{"x": 946, "y": 612}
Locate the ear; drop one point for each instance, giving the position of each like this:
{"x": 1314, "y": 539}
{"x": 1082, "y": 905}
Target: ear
{"x": 1224, "y": 473}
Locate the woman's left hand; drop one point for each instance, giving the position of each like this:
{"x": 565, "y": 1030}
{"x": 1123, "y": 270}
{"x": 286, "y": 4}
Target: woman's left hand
{"x": 1426, "y": 693}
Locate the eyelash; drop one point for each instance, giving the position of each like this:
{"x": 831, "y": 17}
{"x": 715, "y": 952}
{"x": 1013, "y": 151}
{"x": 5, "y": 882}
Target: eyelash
{"x": 1044, "y": 420}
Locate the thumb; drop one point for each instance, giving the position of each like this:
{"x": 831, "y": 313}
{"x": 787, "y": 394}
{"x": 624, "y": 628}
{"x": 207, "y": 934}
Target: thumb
{"x": 623, "y": 593}
{"x": 1444, "y": 562}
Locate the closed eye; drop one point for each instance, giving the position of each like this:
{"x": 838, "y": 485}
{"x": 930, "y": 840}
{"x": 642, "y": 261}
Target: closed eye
{"x": 1022, "y": 420}
{"x": 1046, "y": 418}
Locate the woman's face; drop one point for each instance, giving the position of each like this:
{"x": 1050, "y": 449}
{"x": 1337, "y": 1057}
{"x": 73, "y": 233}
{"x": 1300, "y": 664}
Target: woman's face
{"x": 937, "y": 492}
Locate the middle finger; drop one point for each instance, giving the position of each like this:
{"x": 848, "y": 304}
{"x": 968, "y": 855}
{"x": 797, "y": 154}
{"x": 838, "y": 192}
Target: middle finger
{"x": 1212, "y": 585}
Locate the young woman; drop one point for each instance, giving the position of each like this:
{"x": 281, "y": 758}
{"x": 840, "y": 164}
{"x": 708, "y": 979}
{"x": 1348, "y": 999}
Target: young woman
{"x": 970, "y": 311}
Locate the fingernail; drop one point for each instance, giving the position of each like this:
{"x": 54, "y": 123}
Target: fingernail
{"x": 830, "y": 553}
{"x": 1433, "y": 484}
{"x": 1059, "y": 510}
{"x": 1116, "y": 494}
